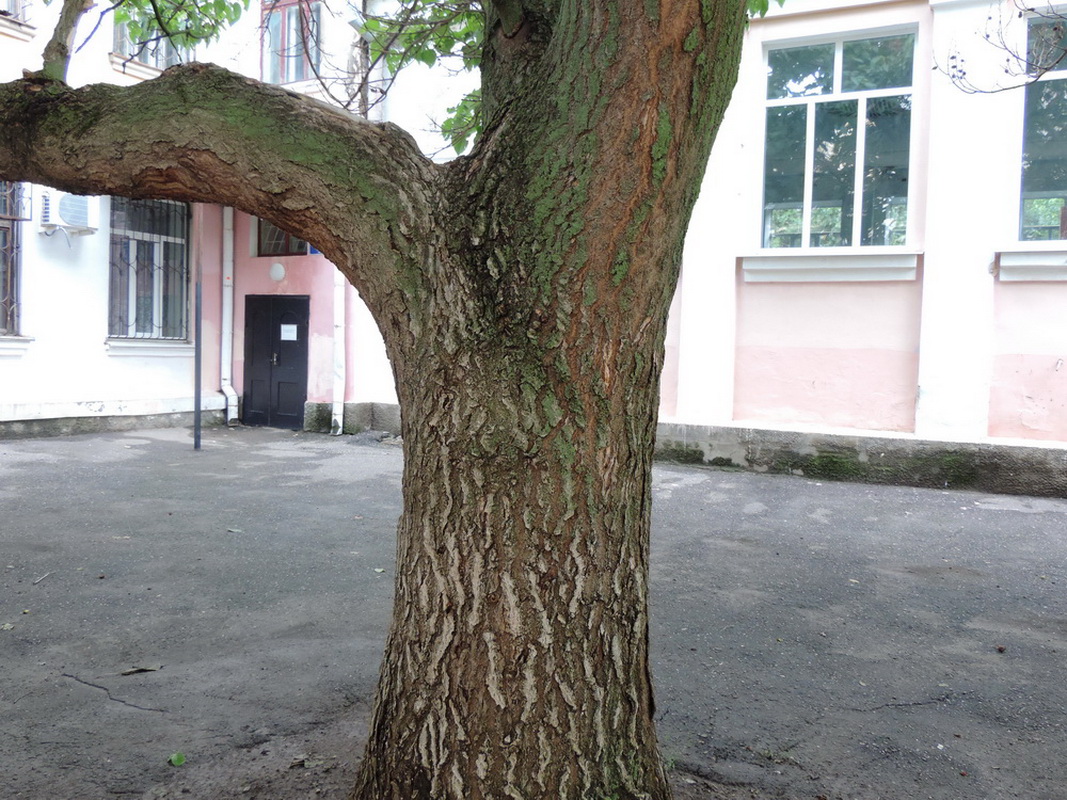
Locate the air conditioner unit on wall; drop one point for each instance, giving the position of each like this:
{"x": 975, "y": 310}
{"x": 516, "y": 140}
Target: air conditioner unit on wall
{"x": 74, "y": 213}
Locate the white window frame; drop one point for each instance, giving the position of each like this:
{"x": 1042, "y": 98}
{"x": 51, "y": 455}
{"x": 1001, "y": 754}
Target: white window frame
{"x": 158, "y": 54}
{"x": 1059, "y": 73}
{"x": 835, "y": 95}
{"x": 15, "y": 10}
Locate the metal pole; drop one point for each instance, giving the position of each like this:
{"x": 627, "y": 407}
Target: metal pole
{"x": 198, "y": 353}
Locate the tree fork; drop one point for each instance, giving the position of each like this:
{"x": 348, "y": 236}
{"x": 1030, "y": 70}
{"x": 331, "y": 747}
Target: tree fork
{"x": 522, "y": 294}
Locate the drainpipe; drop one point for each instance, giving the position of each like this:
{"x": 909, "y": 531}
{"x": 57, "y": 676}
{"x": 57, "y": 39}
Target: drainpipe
{"x": 226, "y": 356}
{"x": 339, "y": 352}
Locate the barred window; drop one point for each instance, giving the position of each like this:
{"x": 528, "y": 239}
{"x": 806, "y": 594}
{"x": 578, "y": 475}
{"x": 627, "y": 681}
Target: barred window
{"x": 10, "y": 214}
{"x": 149, "y": 269}
{"x": 273, "y": 241}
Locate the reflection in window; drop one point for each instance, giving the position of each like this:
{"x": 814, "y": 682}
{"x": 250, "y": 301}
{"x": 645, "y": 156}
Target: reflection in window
{"x": 833, "y": 182}
{"x": 884, "y": 63}
{"x": 1044, "y": 163}
{"x": 800, "y": 71}
{"x": 820, "y": 123}
{"x": 1046, "y": 45}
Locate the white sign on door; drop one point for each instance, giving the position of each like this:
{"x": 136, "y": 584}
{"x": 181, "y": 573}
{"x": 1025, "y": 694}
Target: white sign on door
{"x": 288, "y": 333}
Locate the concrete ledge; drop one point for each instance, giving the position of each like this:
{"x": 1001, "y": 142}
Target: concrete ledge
{"x": 987, "y": 467}
{"x": 318, "y": 417}
{"x": 65, "y": 426}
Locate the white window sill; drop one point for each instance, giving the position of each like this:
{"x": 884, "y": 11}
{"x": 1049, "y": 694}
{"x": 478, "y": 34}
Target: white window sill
{"x": 134, "y": 68}
{"x": 149, "y": 347}
{"x": 1033, "y": 261}
{"x": 831, "y": 265}
{"x": 22, "y": 31}
{"x": 14, "y": 346}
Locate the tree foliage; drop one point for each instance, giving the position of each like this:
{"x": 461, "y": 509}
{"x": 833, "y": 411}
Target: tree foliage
{"x": 431, "y": 32}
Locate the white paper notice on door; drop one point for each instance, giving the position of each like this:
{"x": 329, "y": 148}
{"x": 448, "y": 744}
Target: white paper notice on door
{"x": 288, "y": 333}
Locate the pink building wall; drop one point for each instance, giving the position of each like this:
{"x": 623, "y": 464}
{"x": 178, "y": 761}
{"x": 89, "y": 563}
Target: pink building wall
{"x": 207, "y": 263}
{"x": 834, "y": 354}
{"x": 310, "y": 275}
{"x": 1028, "y": 394}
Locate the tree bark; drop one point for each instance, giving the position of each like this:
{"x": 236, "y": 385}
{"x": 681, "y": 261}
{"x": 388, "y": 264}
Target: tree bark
{"x": 522, "y": 293}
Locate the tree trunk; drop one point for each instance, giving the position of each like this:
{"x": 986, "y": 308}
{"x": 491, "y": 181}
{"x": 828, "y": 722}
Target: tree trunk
{"x": 517, "y": 662}
{"x": 522, "y": 293}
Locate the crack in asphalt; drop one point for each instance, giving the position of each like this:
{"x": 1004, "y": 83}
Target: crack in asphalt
{"x": 107, "y": 691}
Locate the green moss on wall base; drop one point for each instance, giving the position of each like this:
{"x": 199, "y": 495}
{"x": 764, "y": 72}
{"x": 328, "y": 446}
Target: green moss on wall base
{"x": 679, "y": 453}
{"x": 988, "y": 467}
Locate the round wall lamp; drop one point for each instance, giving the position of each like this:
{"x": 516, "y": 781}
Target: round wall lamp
{"x": 277, "y": 271}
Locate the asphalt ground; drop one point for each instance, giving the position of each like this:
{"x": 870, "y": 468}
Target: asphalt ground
{"x": 810, "y": 639}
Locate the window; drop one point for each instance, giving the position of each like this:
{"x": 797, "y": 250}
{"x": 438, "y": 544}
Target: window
{"x": 10, "y": 214}
{"x": 291, "y": 41}
{"x": 273, "y": 241}
{"x": 149, "y": 269}
{"x": 838, "y": 134}
{"x": 158, "y": 52}
{"x": 1043, "y": 214}
{"x": 14, "y": 9}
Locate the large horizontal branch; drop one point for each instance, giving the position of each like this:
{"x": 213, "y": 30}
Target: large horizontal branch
{"x": 359, "y": 191}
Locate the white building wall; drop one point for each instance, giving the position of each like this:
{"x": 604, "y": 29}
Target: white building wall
{"x": 62, "y": 364}
{"x": 968, "y": 347}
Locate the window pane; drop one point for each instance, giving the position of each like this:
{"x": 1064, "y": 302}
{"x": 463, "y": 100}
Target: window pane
{"x": 120, "y": 286}
{"x": 1046, "y": 45}
{"x": 833, "y": 182}
{"x": 173, "y": 290}
{"x": 884, "y": 63}
{"x": 293, "y": 52}
{"x": 800, "y": 71}
{"x": 272, "y": 46}
{"x": 885, "y": 170}
{"x": 314, "y": 17}
{"x": 783, "y": 182}
{"x": 1045, "y": 161}
{"x": 8, "y": 277}
{"x": 145, "y": 272}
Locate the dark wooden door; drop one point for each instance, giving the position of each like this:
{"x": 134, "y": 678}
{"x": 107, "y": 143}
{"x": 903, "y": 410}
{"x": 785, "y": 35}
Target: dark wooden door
{"x": 276, "y": 360}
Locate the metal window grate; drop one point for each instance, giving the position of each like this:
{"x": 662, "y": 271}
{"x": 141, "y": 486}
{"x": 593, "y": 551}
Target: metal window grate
{"x": 149, "y": 291}
{"x": 10, "y": 230}
{"x": 273, "y": 241}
